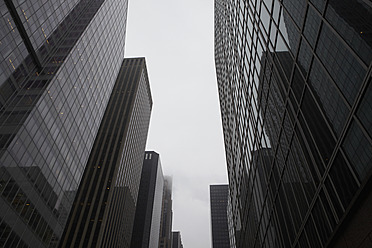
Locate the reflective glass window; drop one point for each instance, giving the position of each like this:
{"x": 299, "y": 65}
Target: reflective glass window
{"x": 365, "y": 109}
{"x": 359, "y": 150}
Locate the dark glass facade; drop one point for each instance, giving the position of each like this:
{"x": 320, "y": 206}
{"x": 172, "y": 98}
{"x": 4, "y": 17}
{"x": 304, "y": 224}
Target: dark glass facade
{"x": 165, "y": 236}
{"x": 219, "y": 195}
{"x": 294, "y": 81}
{"x": 58, "y": 65}
{"x": 104, "y": 207}
{"x": 146, "y": 229}
{"x": 230, "y": 223}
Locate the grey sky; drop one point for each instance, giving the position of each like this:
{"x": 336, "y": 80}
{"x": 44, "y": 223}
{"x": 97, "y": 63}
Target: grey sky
{"x": 176, "y": 37}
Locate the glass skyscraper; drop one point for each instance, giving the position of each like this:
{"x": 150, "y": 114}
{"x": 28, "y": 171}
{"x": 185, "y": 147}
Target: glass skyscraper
{"x": 294, "y": 81}
{"x": 59, "y": 62}
{"x": 105, "y": 204}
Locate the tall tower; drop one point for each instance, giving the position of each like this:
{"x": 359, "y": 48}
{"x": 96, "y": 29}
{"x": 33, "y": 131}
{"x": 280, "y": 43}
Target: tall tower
{"x": 104, "y": 207}
{"x": 219, "y": 195}
{"x": 294, "y": 80}
{"x": 165, "y": 237}
{"x": 147, "y": 220}
{"x": 176, "y": 240}
{"x": 59, "y": 61}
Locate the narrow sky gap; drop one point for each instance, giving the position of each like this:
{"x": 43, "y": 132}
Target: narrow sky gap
{"x": 177, "y": 39}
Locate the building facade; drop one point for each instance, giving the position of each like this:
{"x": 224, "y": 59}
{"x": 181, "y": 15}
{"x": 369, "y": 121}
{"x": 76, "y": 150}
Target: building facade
{"x": 176, "y": 240}
{"x": 294, "y": 81}
{"x": 146, "y": 230}
{"x": 230, "y": 222}
{"x": 104, "y": 207}
{"x": 219, "y": 195}
{"x": 58, "y": 65}
{"x": 165, "y": 236}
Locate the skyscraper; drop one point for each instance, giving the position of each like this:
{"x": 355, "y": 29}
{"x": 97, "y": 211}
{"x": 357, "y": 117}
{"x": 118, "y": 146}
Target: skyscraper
{"x": 165, "y": 238}
{"x": 294, "y": 80}
{"x": 59, "y": 61}
{"x": 230, "y": 222}
{"x": 146, "y": 228}
{"x": 104, "y": 207}
{"x": 219, "y": 195}
{"x": 176, "y": 240}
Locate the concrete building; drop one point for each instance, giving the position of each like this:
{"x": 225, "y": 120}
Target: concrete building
{"x": 146, "y": 230}
{"x": 219, "y": 195}
{"x": 176, "y": 240}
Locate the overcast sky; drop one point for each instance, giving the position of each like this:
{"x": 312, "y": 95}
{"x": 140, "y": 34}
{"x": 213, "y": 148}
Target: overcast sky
{"x": 176, "y": 37}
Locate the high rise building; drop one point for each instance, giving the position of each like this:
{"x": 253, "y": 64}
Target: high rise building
{"x": 219, "y": 195}
{"x": 176, "y": 240}
{"x": 59, "y": 61}
{"x": 146, "y": 228}
{"x": 230, "y": 223}
{"x": 104, "y": 207}
{"x": 165, "y": 237}
{"x": 294, "y": 81}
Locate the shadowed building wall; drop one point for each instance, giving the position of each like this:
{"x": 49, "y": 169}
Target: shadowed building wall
{"x": 176, "y": 240}
{"x": 104, "y": 208}
{"x": 146, "y": 230}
